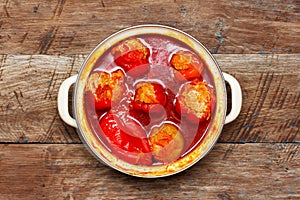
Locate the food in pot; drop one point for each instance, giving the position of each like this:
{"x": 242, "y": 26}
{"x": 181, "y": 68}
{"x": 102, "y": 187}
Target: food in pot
{"x": 187, "y": 66}
{"x": 133, "y": 56}
{"x": 127, "y": 138}
{"x": 148, "y": 95}
{"x": 154, "y": 117}
{"x": 105, "y": 88}
{"x": 194, "y": 101}
{"x": 166, "y": 143}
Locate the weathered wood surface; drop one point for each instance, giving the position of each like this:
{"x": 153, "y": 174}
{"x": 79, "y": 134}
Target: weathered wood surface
{"x": 270, "y": 83}
{"x": 229, "y": 171}
{"x": 75, "y": 27}
{"x": 44, "y": 42}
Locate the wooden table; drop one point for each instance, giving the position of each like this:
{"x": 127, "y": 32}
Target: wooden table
{"x": 42, "y": 43}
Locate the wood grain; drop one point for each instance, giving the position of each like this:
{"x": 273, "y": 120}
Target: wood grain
{"x": 75, "y": 27}
{"x": 270, "y": 112}
{"x": 230, "y": 171}
{"x": 271, "y": 95}
{"x": 44, "y": 42}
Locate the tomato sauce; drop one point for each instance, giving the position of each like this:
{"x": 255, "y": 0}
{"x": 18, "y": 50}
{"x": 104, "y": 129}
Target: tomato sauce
{"x": 146, "y": 59}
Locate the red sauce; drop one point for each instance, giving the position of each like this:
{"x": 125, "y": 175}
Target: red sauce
{"x": 154, "y": 52}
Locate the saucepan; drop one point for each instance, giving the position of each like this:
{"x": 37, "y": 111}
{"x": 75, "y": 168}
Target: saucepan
{"x": 149, "y": 101}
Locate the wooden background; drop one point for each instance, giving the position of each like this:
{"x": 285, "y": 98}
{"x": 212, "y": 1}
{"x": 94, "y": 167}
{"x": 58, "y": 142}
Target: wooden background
{"x": 42, "y": 43}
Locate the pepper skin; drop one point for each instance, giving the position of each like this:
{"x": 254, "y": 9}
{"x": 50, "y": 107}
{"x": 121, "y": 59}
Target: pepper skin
{"x": 194, "y": 101}
{"x": 186, "y": 66}
{"x": 106, "y": 87}
{"x": 148, "y": 95}
{"x": 127, "y": 138}
{"x": 133, "y": 56}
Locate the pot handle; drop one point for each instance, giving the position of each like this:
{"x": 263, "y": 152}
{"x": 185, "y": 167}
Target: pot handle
{"x": 236, "y": 96}
{"x": 63, "y": 100}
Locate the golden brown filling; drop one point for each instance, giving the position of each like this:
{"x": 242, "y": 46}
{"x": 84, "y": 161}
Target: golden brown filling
{"x": 166, "y": 142}
{"x": 145, "y": 93}
{"x": 182, "y": 60}
{"x": 196, "y": 97}
{"x": 105, "y": 84}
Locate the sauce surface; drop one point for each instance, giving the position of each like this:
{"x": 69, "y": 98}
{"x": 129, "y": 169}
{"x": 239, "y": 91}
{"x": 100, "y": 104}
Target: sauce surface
{"x": 134, "y": 99}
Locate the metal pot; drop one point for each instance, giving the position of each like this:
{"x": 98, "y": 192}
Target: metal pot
{"x": 102, "y": 153}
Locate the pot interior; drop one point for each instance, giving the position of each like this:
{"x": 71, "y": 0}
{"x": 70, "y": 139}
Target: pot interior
{"x": 161, "y": 48}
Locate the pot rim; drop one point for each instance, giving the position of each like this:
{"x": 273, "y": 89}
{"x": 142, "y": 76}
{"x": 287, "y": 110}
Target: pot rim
{"x": 221, "y": 121}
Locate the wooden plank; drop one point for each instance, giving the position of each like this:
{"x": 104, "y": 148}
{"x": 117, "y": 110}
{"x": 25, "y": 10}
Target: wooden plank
{"x": 230, "y": 171}
{"x": 75, "y": 27}
{"x": 270, "y": 83}
{"x": 271, "y": 98}
{"x": 29, "y": 87}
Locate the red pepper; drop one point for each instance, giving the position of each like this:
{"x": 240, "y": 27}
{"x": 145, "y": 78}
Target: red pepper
{"x": 127, "y": 138}
{"x": 187, "y": 66}
{"x": 194, "y": 101}
{"x": 106, "y": 88}
{"x": 133, "y": 56}
{"x": 148, "y": 95}
{"x": 166, "y": 142}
